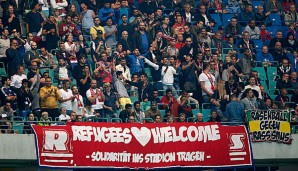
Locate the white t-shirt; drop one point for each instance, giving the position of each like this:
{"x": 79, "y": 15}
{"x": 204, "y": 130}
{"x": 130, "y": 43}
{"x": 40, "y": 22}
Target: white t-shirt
{"x": 207, "y": 82}
{"x": 64, "y": 117}
{"x": 16, "y": 80}
{"x": 75, "y": 105}
{"x": 98, "y": 104}
{"x": 168, "y": 77}
{"x": 65, "y": 95}
{"x": 63, "y": 72}
{"x": 255, "y": 87}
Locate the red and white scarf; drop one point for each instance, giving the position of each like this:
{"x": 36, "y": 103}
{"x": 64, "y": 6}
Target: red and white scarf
{"x": 80, "y": 104}
{"x": 93, "y": 94}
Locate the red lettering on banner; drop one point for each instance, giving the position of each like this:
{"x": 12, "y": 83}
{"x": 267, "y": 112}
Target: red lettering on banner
{"x": 100, "y": 145}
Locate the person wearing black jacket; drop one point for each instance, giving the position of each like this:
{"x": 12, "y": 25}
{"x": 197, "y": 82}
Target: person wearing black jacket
{"x": 13, "y": 57}
{"x": 202, "y": 15}
{"x": 187, "y": 49}
{"x": 124, "y": 114}
{"x": 24, "y": 98}
{"x": 144, "y": 88}
{"x": 125, "y": 42}
{"x": 138, "y": 39}
{"x": 125, "y": 26}
{"x": 233, "y": 28}
{"x": 278, "y": 38}
{"x": 78, "y": 69}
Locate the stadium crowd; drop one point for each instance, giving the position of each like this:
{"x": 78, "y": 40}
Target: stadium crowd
{"x": 146, "y": 60}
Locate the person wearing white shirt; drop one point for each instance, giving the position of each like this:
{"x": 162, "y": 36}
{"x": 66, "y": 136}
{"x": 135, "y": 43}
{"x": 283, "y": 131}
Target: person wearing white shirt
{"x": 66, "y": 93}
{"x": 167, "y": 73}
{"x": 124, "y": 68}
{"x": 62, "y": 72}
{"x": 77, "y": 102}
{"x": 207, "y": 83}
{"x": 252, "y": 85}
{"x": 16, "y": 79}
{"x": 96, "y": 97}
{"x": 29, "y": 40}
{"x": 63, "y": 115}
{"x": 71, "y": 46}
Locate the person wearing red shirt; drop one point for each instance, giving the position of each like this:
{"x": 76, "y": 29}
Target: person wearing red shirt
{"x": 168, "y": 99}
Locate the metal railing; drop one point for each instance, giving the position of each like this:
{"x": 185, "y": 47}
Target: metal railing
{"x": 23, "y": 127}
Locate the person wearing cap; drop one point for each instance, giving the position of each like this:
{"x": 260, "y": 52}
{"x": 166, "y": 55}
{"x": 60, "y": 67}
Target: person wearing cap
{"x": 24, "y": 98}
{"x": 97, "y": 46}
{"x": 111, "y": 104}
{"x": 34, "y": 19}
{"x": 96, "y": 28}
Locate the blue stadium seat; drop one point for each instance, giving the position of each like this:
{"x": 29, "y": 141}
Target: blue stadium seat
{"x": 134, "y": 98}
{"x": 163, "y": 113}
{"x": 262, "y": 73}
{"x": 284, "y": 30}
{"x": 206, "y": 111}
{"x": 258, "y": 43}
{"x": 272, "y": 30}
{"x": 271, "y": 71}
{"x": 226, "y": 19}
{"x": 167, "y": 11}
{"x": 195, "y": 112}
{"x": 264, "y": 84}
{"x": 3, "y": 70}
{"x": 217, "y": 19}
{"x": 116, "y": 120}
{"x": 190, "y": 119}
{"x": 272, "y": 84}
{"x": 275, "y": 19}
{"x": 255, "y": 4}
